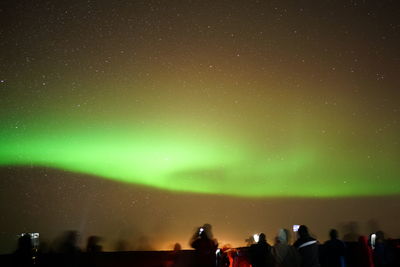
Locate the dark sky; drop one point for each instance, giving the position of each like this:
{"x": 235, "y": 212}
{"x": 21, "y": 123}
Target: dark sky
{"x": 158, "y": 111}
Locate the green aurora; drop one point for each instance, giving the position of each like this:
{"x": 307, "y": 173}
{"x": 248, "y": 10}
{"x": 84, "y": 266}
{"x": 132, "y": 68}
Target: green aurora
{"x": 189, "y": 161}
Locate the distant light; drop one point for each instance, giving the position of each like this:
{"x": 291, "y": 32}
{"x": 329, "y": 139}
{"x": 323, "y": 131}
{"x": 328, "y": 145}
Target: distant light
{"x": 34, "y": 235}
{"x": 218, "y": 250}
{"x": 296, "y": 227}
{"x": 256, "y": 238}
{"x": 373, "y": 239}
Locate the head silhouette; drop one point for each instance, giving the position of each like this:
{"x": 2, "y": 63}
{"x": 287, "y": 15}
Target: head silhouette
{"x": 333, "y": 233}
{"x": 207, "y": 229}
{"x": 303, "y": 231}
{"x": 380, "y": 236}
{"x": 177, "y": 247}
{"x": 262, "y": 238}
{"x": 203, "y": 235}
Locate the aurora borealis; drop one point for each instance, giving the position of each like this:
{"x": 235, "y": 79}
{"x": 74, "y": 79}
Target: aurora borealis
{"x": 196, "y": 162}
{"x": 250, "y": 99}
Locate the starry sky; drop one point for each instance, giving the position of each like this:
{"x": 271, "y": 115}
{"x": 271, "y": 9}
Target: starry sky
{"x": 254, "y": 101}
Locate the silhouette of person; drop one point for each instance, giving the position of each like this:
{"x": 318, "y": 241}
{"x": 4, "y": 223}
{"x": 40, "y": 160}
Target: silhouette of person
{"x": 284, "y": 254}
{"x": 260, "y": 253}
{"x": 381, "y": 252}
{"x": 69, "y": 250}
{"x": 177, "y": 259}
{"x": 205, "y": 247}
{"x": 93, "y": 244}
{"x": 334, "y": 251}
{"x": 307, "y": 247}
{"x": 92, "y": 247}
{"x": 23, "y": 256}
{"x": 364, "y": 253}
{"x": 177, "y": 247}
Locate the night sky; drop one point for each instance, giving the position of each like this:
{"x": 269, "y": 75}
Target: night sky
{"x": 140, "y": 120}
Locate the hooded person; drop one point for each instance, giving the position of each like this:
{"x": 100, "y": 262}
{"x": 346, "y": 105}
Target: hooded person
{"x": 307, "y": 247}
{"x": 284, "y": 254}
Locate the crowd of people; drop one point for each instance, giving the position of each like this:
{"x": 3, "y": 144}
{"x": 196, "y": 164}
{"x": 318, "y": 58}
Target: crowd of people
{"x": 306, "y": 251}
